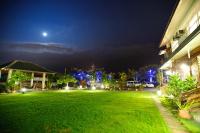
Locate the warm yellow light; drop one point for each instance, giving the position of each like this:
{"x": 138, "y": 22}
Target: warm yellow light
{"x": 66, "y": 87}
{"x": 93, "y": 88}
{"x": 185, "y": 67}
{"x": 23, "y": 90}
{"x": 80, "y": 87}
{"x": 102, "y": 86}
{"x": 106, "y": 86}
{"x": 159, "y": 93}
{"x": 168, "y": 72}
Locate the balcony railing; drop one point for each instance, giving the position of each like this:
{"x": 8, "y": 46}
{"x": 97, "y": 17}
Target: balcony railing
{"x": 39, "y": 79}
{"x": 183, "y": 41}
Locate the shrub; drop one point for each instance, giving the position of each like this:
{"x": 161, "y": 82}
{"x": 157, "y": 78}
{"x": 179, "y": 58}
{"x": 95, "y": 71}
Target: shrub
{"x": 184, "y": 106}
{"x": 189, "y": 83}
{"x": 15, "y": 82}
{"x": 3, "y": 88}
{"x": 175, "y": 85}
{"x": 169, "y": 102}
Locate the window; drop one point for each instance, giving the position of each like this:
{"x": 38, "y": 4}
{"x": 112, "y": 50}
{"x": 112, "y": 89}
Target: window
{"x": 194, "y": 23}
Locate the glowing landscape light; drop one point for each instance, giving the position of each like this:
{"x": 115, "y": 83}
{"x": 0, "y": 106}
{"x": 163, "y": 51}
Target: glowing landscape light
{"x": 80, "y": 87}
{"x": 93, "y": 88}
{"x": 106, "y": 86}
{"x": 102, "y": 86}
{"x": 159, "y": 93}
{"x": 23, "y": 90}
{"x": 66, "y": 87}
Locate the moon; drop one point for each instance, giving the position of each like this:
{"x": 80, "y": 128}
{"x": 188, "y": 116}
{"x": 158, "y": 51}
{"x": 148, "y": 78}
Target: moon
{"x": 44, "y": 34}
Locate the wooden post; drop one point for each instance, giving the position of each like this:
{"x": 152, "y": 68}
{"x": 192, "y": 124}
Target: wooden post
{"x": 161, "y": 77}
{"x": 190, "y": 62}
{"x": 9, "y": 74}
{"x": 198, "y": 62}
{"x": 43, "y": 80}
{"x": 32, "y": 78}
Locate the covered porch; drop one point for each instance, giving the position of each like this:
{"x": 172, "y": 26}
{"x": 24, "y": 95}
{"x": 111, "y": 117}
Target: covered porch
{"x": 39, "y": 75}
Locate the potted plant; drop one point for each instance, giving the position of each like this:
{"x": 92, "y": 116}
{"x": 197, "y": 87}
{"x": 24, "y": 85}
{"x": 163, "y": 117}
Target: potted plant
{"x": 184, "y": 109}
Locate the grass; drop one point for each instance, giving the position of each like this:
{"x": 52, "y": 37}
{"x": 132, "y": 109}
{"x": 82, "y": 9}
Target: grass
{"x": 80, "y": 111}
{"x": 191, "y": 125}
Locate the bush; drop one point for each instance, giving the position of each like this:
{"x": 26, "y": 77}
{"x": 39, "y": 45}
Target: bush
{"x": 3, "y": 88}
{"x": 177, "y": 86}
{"x": 169, "y": 102}
{"x": 189, "y": 83}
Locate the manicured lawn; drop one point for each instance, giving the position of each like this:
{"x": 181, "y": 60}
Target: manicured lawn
{"x": 80, "y": 111}
{"x": 191, "y": 125}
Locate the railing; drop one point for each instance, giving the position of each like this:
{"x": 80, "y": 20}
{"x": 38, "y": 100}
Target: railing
{"x": 192, "y": 26}
{"x": 39, "y": 79}
{"x": 183, "y": 42}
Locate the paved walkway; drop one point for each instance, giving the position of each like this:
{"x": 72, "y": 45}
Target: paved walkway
{"x": 172, "y": 122}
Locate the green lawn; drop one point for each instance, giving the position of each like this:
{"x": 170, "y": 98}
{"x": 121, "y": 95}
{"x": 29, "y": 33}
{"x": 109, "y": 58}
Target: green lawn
{"x": 80, "y": 111}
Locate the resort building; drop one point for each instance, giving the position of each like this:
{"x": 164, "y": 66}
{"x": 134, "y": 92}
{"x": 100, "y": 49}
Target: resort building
{"x": 180, "y": 45}
{"x": 39, "y": 75}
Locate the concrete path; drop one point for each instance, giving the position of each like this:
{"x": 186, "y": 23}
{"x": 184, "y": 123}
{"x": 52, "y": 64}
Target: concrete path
{"x": 170, "y": 120}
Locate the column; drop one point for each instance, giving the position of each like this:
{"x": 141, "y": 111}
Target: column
{"x": 9, "y": 74}
{"x": 198, "y": 61}
{"x": 161, "y": 77}
{"x": 32, "y": 77}
{"x": 43, "y": 80}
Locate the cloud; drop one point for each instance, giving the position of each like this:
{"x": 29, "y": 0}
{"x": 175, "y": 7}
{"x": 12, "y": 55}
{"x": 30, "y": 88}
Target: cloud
{"x": 37, "y": 48}
{"x": 58, "y": 56}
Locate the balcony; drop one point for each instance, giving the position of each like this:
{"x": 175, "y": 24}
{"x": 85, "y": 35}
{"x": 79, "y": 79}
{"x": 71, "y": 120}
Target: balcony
{"x": 189, "y": 42}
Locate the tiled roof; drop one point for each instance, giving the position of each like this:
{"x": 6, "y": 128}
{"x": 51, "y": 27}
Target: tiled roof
{"x": 24, "y": 65}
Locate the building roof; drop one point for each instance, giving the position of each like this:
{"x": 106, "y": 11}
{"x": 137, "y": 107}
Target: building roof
{"x": 25, "y": 66}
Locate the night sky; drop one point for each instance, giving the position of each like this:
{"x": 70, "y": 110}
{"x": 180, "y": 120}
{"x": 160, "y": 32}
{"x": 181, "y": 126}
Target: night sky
{"x": 112, "y": 34}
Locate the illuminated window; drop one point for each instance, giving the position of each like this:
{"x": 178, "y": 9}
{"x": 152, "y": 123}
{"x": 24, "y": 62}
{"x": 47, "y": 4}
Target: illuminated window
{"x": 195, "y": 72}
{"x": 199, "y": 17}
{"x": 194, "y": 23}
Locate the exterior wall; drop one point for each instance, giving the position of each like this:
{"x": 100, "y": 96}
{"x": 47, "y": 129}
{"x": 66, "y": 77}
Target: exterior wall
{"x": 185, "y": 66}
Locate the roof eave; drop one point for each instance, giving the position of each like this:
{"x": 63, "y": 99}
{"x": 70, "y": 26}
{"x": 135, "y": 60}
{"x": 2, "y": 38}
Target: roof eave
{"x": 168, "y": 23}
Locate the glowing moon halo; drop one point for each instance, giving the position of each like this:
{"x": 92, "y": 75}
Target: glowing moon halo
{"x": 44, "y": 34}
